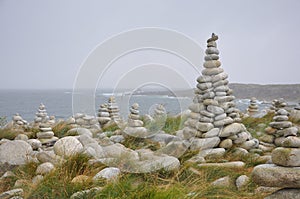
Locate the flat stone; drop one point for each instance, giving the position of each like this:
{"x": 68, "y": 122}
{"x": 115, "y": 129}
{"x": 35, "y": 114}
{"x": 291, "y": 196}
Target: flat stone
{"x": 196, "y": 107}
{"x": 80, "y": 131}
{"x": 250, "y": 144}
{"x": 204, "y": 79}
{"x": 220, "y": 117}
{"x": 218, "y": 77}
{"x": 204, "y": 127}
{"x": 140, "y": 132}
{"x": 281, "y": 125}
{"x": 282, "y": 112}
{"x": 211, "y": 57}
{"x": 232, "y": 129}
{"x": 237, "y": 164}
{"x": 291, "y": 141}
{"x": 204, "y": 86}
{"x": 45, "y": 135}
{"x": 211, "y": 133}
{"x": 212, "y": 153}
{"x": 267, "y": 138}
{"x": 271, "y": 175}
{"x": 280, "y": 118}
{"x": 224, "y": 122}
{"x": 12, "y": 193}
{"x": 207, "y": 102}
{"x": 289, "y": 157}
{"x": 220, "y": 83}
{"x": 212, "y": 50}
{"x": 207, "y": 114}
{"x": 215, "y": 109}
{"x": 285, "y": 194}
{"x": 212, "y": 71}
{"x": 292, "y": 131}
{"x": 212, "y": 64}
{"x": 206, "y": 119}
{"x": 204, "y": 143}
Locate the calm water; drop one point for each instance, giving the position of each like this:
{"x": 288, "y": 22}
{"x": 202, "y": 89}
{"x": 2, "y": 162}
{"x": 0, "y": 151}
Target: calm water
{"x": 59, "y": 103}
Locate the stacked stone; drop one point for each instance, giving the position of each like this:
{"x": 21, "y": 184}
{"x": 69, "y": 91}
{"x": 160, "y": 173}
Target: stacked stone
{"x": 295, "y": 113}
{"x": 46, "y": 135}
{"x": 135, "y": 125}
{"x": 278, "y": 104}
{"x": 213, "y": 116}
{"x": 41, "y": 115}
{"x": 103, "y": 115}
{"x": 18, "y": 121}
{"x": 285, "y": 170}
{"x": 253, "y": 107}
{"x": 113, "y": 109}
{"x": 51, "y": 120}
{"x": 86, "y": 121}
{"x": 159, "y": 112}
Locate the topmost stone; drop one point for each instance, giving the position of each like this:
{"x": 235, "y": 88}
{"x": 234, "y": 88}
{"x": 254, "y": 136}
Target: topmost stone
{"x": 214, "y": 37}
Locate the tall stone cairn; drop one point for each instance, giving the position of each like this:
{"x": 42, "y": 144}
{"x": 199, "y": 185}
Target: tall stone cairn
{"x": 103, "y": 115}
{"x": 41, "y": 115}
{"x": 113, "y": 109}
{"x": 214, "y": 121}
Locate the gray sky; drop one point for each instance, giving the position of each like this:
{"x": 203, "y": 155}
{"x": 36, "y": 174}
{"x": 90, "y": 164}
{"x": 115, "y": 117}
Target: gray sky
{"x": 43, "y": 43}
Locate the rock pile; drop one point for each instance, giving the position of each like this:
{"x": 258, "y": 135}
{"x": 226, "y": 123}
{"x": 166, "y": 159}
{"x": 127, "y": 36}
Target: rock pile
{"x": 46, "y": 135}
{"x": 113, "y": 110}
{"x": 253, "y": 107}
{"x": 41, "y": 115}
{"x": 295, "y": 113}
{"x": 214, "y": 121}
{"x": 135, "y": 125}
{"x": 159, "y": 112}
{"x": 285, "y": 170}
{"x": 18, "y": 121}
{"x": 278, "y": 104}
{"x": 86, "y": 121}
{"x": 103, "y": 115}
{"x": 280, "y": 132}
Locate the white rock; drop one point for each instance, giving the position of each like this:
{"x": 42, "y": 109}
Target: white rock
{"x": 45, "y": 168}
{"x": 242, "y": 181}
{"x": 110, "y": 173}
{"x": 15, "y": 152}
{"x": 232, "y": 129}
{"x": 222, "y": 182}
{"x": 80, "y": 131}
{"x": 289, "y": 157}
{"x": 35, "y": 143}
{"x": 204, "y": 143}
{"x": 68, "y": 146}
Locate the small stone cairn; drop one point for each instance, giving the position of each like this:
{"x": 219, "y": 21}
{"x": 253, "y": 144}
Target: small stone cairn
{"x": 214, "y": 121}
{"x": 135, "y": 125}
{"x": 277, "y": 104}
{"x": 159, "y": 112}
{"x": 285, "y": 170}
{"x": 103, "y": 115}
{"x": 41, "y": 115}
{"x": 46, "y": 135}
{"x": 253, "y": 107}
{"x": 113, "y": 110}
{"x": 86, "y": 121}
{"x": 18, "y": 121}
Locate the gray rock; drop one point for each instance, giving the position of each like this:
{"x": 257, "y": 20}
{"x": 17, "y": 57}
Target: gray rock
{"x": 286, "y": 157}
{"x": 204, "y": 127}
{"x": 291, "y": 141}
{"x": 118, "y": 150}
{"x": 15, "y": 152}
{"x": 226, "y": 144}
{"x": 220, "y": 117}
{"x": 211, "y": 133}
{"x": 224, "y": 122}
{"x": 292, "y": 131}
{"x": 44, "y": 168}
{"x": 212, "y": 153}
{"x": 68, "y": 146}
{"x": 236, "y": 165}
{"x": 271, "y": 175}
{"x": 12, "y": 193}
{"x": 45, "y": 135}
{"x": 204, "y": 143}
{"x": 207, "y": 114}
{"x": 212, "y": 50}
{"x": 280, "y": 125}
{"x": 212, "y": 71}
{"x": 175, "y": 148}
{"x": 34, "y": 143}
{"x": 164, "y": 137}
{"x": 110, "y": 173}
{"x": 117, "y": 138}
{"x": 242, "y": 137}
{"x": 80, "y": 131}
{"x": 242, "y": 181}
{"x": 21, "y": 137}
{"x": 211, "y": 57}
{"x": 215, "y": 109}
{"x": 232, "y": 129}
{"x": 222, "y": 182}
{"x": 285, "y": 194}
{"x": 250, "y": 144}
{"x": 212, "y": 64}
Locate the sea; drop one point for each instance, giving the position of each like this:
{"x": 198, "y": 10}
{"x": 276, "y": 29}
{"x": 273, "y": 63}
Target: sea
{"x": 59, "y": 103}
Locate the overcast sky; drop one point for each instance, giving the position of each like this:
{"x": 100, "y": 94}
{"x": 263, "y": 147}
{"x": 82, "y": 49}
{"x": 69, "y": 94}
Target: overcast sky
{"x": 44, "y": 43}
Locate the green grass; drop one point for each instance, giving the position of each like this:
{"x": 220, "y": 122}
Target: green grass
{"x": 60, "y": 129}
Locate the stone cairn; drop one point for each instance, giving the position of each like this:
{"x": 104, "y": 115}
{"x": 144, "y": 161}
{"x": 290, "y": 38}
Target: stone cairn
{"x": 253, "y": 107}
{"x": 284, "y": 172}
{"x": 113, "y": 110}
{"x": 86, "y": 121}
{"x": 214, "y": 121}
{"x": 18, "y": 121}
{"x": 295, "y": 113}
{"x": 159, "y": 112}
{"x": 41, "y": 115}
{"x": 46, "y": 135}
{"x": 278, "y": 104}
{"x": 135, "y": 125}
{"x": 103, "y": 115}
